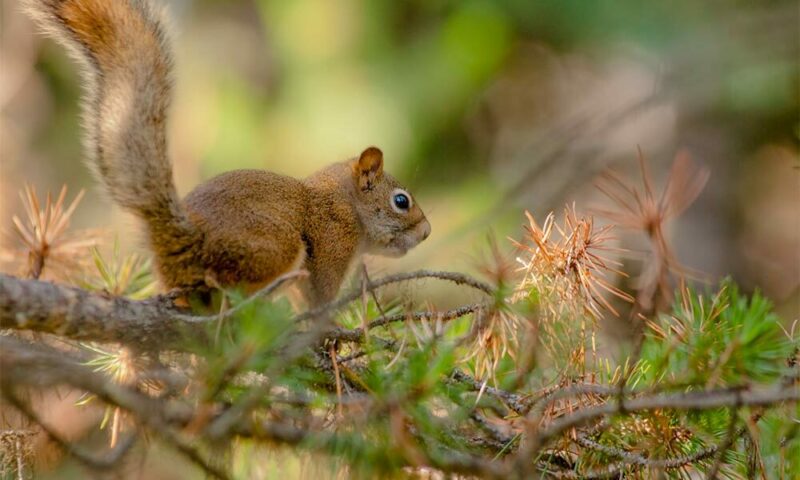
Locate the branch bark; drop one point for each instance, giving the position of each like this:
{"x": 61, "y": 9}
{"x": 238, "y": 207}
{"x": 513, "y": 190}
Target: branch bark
{"x": 700, "y": 400}
{"x": 154, "y": 323}
{"x": 80, "y": 315}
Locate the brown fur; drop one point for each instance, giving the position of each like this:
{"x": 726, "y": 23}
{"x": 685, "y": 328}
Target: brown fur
{"x": 243, "y": 227}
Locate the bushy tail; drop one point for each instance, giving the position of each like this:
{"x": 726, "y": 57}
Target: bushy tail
{"x": 126, "y": 62}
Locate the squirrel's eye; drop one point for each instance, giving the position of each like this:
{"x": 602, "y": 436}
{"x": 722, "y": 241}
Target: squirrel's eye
{"x": 401, "y": 201}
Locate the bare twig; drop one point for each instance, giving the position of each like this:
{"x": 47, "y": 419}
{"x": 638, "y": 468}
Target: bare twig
{"x": 338, "y": 378}
{"x": 455, "y": 277}
{"x": 701, "y": 400}
{"x": 260, "y": 294}
{"x": 630, "y": 458}
{"x": 515, "y": 402}
{"x": 491, "y": 429}
{"x": 357, "y": 334}
{"x": 537, "y": 405}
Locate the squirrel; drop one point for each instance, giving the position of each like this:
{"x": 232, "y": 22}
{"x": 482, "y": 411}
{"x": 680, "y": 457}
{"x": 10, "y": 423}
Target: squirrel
{"x": 242, "y": 228}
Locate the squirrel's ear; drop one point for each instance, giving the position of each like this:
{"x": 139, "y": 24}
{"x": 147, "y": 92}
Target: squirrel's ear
{"x": 369, "y": 168}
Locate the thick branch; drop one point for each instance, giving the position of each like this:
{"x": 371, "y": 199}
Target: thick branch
{"x": 74, "y": 313}
{"x": 80, "y": 315}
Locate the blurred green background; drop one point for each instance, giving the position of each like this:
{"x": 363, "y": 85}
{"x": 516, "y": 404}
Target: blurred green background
{"x": 483, "y": 108}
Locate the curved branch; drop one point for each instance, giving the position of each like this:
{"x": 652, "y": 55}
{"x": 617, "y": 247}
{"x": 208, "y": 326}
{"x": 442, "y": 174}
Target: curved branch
{"x": 357, "y": 334}
{"x": 631, "y": 458}
{"x": 701, "y": 400}
{"x": 455, "y": 277}
{"x": 513, "y": 400}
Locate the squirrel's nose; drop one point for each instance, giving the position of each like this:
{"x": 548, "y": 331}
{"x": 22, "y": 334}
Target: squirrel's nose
{"x": 426, "y": 230}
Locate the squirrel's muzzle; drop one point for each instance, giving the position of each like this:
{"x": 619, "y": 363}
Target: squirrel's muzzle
{"x": 425, "y": 229}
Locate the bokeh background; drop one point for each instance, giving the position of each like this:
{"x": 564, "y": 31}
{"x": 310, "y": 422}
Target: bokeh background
{"x": 483, "y": 108}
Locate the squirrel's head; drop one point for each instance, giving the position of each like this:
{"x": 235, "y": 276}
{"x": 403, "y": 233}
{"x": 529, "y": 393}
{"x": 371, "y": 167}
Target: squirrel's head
{"x": 392, "y": 220}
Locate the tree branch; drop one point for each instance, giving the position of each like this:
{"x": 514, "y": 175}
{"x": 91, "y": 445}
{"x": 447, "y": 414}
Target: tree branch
{"x": 455, "y": 277}
{"x": 154, "y": 323}
{"x": 631, "y": 458}
{"x": 701, "y": 400}
{"x": 81, "y": 315}
{"x": 109, "y": 461}
{"x": 357, "y": 334}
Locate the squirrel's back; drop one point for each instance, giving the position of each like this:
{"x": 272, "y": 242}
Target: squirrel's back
{"x": 126, "y": 67}
{"x": 253, "y": 223}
